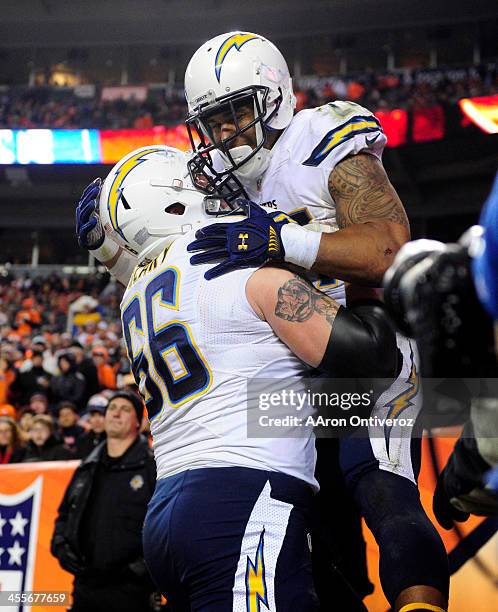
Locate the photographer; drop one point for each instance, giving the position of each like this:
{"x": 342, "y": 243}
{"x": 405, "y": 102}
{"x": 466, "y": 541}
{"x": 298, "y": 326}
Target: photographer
{"x": 446, "y": 297}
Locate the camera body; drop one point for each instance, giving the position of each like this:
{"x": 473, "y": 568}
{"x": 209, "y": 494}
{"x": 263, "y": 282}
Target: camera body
{"x": 430, "y": 293}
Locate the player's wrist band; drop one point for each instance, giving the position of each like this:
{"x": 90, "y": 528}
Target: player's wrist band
{"x": 300, "y": 245}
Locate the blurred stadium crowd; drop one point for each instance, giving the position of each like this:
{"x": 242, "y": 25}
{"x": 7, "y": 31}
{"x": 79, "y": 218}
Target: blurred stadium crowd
{"x": 61, "y": 358}
{"x": 54, "y": 107}
{"x": 63, "y": 107}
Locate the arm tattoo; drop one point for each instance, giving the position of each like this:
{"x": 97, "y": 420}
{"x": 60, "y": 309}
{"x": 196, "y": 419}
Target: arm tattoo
{"x": 362, "y": 192}
{"x": 298, "y": 300}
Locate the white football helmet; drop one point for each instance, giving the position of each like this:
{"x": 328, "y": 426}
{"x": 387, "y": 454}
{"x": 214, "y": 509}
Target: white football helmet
{"x": 233, "y": 68}
{"x": 148, "y": 200}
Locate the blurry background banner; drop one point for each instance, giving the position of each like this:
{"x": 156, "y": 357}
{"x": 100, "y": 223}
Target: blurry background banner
{"x": 115, "y": 144}
{"x": 31, "y": 493}
{"x": 428, "y": 124}
{"x": 395, "y": 126}
{"x": 46, "y": 146}
{"x": 94, "y": 146}
{"x": 125, "y": 92}
{"x": 483, "y": 111}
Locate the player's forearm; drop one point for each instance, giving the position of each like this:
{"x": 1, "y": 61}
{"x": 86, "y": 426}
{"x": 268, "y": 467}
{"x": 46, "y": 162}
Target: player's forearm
{"x": 360, "y": 253}
{"x": 352, "y": 342}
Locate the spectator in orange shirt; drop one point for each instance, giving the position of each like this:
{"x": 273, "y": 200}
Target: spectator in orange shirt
{"x": 7, "y": 377}
{"x": 7, "y": 410}
{"x": 144, "y": 122}
{"x": 22, "y": 324}
{"x": 28, "y": 317}
{"x": 105, "y": 372}
{"x": 301, "y": 100}
{"x": 355, "y": 90}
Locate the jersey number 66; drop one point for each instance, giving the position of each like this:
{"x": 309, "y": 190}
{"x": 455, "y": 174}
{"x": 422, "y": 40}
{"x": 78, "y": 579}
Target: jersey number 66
{"x": 166, "y": 363}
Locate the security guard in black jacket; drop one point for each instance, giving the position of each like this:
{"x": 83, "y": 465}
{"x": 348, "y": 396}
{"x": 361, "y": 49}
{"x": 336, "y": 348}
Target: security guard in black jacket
{"x": 98, "y": 532}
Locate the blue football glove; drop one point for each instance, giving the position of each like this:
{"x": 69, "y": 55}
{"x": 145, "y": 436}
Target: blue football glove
{"x": 88, "y": 228}
{"x": 244, "y": 244}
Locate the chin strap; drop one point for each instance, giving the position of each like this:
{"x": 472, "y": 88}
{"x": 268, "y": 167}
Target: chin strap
{"x": 251, "y": 170}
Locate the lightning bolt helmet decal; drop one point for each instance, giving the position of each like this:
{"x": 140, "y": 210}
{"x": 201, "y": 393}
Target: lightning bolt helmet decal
{"x": 237, "y": 40}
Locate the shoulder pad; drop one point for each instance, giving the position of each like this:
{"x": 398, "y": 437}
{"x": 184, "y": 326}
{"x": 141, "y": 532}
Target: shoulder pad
{"x": 342, "y": 110}
{"x": 337, "y": 123}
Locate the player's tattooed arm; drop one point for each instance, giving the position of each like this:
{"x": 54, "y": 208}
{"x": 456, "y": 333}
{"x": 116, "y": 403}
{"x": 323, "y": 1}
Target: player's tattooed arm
{"x": 300, "y": 315}
{"x": 298, "y": 300}
{"x": 372, "y": 221}
{"x": 362, "y": 192}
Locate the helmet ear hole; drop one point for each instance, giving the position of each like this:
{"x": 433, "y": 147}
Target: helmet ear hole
{"x": 125, "y": 203}
{"x": 177, "y": 208}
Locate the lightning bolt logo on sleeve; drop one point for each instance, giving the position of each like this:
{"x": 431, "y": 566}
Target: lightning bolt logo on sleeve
{"x": 256, "y": 591}
{"x": 115, "y": 190}
{"x": 237, "y": 40}
{"x": 331, "y": 140}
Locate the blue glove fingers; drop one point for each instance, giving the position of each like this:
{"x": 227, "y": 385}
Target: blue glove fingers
{"x": 88, "y": 226}
{"x": 206, "y": 243}
{"x": 92, "y": 190}
{"x": 83, "y": 232}
{"x": 216, "y": 229}
{"x": 85, "y": 211}
{"x": 208, "y": 256}
{"x": 220, "y": 269}
{"x": 86, "y": 221}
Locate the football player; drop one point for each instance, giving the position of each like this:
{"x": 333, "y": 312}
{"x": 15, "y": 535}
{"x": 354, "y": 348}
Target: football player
{"x": 227, "y": 527}
{"x": 340, "y": 579}
{"x": 323, "y": 166}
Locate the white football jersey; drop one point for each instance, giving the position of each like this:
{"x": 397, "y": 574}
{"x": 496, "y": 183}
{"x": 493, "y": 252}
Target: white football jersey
{"x": 302, "y": 159}
{"x": 194, "y": 346}
{"x": 296, "y": 181}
